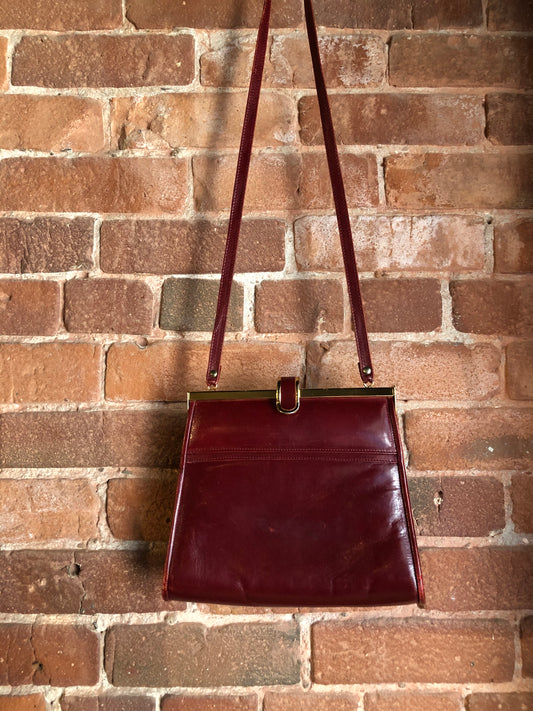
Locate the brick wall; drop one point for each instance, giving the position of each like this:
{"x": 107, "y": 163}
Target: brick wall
{"x": 119, "y": 125}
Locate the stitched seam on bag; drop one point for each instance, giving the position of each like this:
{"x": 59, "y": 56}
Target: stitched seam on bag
{"x": 314, "y": 450}
{"x": 192, "y": 458}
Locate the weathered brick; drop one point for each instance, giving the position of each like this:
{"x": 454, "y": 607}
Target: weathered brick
{"x": 43, "y": 509}
{"x": 108, "y": 306}
{"x": 45, "y": 244}
{"x": 231, "y": 655}
{"x": 283, "y": 182}
{"x": 509, "y": 119}
{"x": 141, "y": 509}
{"x": 453, "y": 506}
{"x": 443, "y": 370}
{"x": 56, "y": 655}
{"x": 93, "y": 439}
{"x": 398, "y": 14}
{"x": 107, "y": 703}
{"x": 71, "y": 582}
{"x": 399, "y": 305}
{"x": 29, "y": 308}
{"x": 188, "y": 247}
{"x": 496, "y": 578}
{"x": 70, "y": 60}
{"x": 434, "y": 59}
{"x": 190, "y": 305}
{"x": 213, "y": 121}
{"x": 522, "y": 496}
{"x": 275, "y": 701}
{"x": 51, "y": 123}
{"x": 510, "y": 15}
{"x": 94, "y": 184}
{"x": 464, "y": 439}
{"x": 28, "y": 702}
{"x": 299, "y": 305}
{"x": 519, "y": 370}
{"x": 61, "y": 15}
{"x": 439, "y": 651}
{"x": 517, "y": 701}
{"x": 209, "y": 703}
{"x": 167, "y": 370}
{"x": 3, "y": 62}
{"x": 383, "y": 242}
{"x": 49, "y": 372}
{"x": 526, "y": 637}
{"x": 166, "y": 14}
{"x": 438, "y": 119}
{"x": 513, "y": 247}
{"x": 492, "y": 307}
{"x": 411, "y": 701}
{"x": 460, "y": 180}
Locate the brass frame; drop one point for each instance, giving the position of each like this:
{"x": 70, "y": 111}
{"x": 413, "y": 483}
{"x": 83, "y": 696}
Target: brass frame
{"x": 271, "y": 394}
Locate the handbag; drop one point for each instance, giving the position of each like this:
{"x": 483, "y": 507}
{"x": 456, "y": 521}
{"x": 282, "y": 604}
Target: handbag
{"x": 292, "y": 496}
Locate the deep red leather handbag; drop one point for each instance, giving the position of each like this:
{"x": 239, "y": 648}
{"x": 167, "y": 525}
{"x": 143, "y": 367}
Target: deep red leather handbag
{"x": 292, "y": 497}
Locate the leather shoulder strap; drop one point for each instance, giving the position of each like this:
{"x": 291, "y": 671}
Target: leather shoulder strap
{"x": 239, "y": 190}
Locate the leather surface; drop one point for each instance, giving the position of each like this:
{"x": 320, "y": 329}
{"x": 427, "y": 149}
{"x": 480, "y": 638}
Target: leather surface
{"x": 306, "y": 509}
{"x": 239, "y": 190}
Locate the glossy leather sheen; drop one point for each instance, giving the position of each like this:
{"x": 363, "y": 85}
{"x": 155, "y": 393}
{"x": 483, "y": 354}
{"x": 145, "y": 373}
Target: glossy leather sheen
{"x": 303, "y": 509}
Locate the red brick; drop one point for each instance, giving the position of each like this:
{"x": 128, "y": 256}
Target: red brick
{"x": 94, "y": 184}
{"x": 45, "y": 244}
{"x": 3, "y": 62}
{"x": 188, "y": 247}
{"x": 526, "y": 636}
{"x": 410, "y": 650}
{"x": 299, "y": 305}
{"x": 460, "y": 180}
{"x": 107, "y": 703}
{"x": 337, "y": 701}
{"x": 396, "y": 118}
{"x": 51, "y": 123}
{"x": 29, "y": 308}
{"x": 48, "y": 509}
{"x": 517, "y": 701}
{"x": 509, "y": 119}
{"x": 443, "y": 370}
{"x": 519, "y": 370}
{"x": 71, "y": 60}
{"x": 148, "y": 438}
{"x": 214, "y": 121}
{"x": 141, "y": 509}
{"x": 30, "y": 702}
{"x": 460, "y": 60}
{"x": 510, "y": 15}
{"x": 522, "y": 496}
{"x": 412, "y": 701}
{"x": 400, "y": 305}
{"x": 398, "y": 14}
{"x": 392, "y": 243}
{"x": 167, "y": 370}
{"x": 453, "y": 506}
{"x": 257, "y": 654}
{"x": 492, "y": 307}
{"x": 49, "y": 372}
{"x": 190, "y": 305}
{"x": 108, "y": 306}
{"x": 513, "y": 247}
{"x": 71, "y": 582}
{"x": 166, "y": 14}
{"x": 209, "y": 703}
{"x": 496, "y": 578}
{"x": 352, "y": 61}
{"x": 283, "y": 182}
{"x": 56, "y": 655}
{"x": 485, "y": 438}
{"x": 61, "y": 15}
